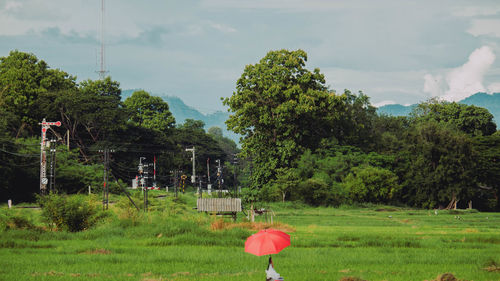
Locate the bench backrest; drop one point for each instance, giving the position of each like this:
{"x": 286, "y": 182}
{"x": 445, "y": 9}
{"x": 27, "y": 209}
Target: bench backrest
{"x": 218, "y": 205}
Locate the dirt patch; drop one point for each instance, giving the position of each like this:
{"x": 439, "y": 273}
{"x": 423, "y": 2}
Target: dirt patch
{"x": 220, "y": 224}
{"x": 386, "y": 210}
{"x": 446, "y": 277}
{"x": 97, "y": 252}
{"x": 492, "y": 266}
{"x": 350, "y": 278}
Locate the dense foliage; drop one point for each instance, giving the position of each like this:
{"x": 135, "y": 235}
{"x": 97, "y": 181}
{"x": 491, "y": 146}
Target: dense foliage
{"x": 93, "y": 117}
{"x": 309, "y": 143}
{"x": 300, "y": 139}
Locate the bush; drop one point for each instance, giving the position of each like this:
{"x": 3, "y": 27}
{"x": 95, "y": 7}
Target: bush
{"x": 13, "y": 220}
{"x": 316, "y": 192}
{"x": 371, "y": 184}
{"x": 70, "y": 213}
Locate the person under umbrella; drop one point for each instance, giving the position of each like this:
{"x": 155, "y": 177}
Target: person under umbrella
{"x": 267, "y": 242}
{"x": 271, "y": 274}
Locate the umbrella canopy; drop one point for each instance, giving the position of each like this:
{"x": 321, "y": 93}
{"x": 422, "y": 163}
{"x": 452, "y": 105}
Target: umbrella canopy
{"x": 266, "y": 242}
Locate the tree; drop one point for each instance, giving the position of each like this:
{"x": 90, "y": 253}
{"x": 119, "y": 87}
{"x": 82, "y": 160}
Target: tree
{"x": 102, "y": 88}
{"x": 149, "y": 111}
{"x": 371, "y": 184}
{"x": 191, "y": 133}
{"x": 22, "y": 79}
{"x": 443, "y": 166}
{"x": 473, "y": 120}
{"x": 227, "y": 145}
{"x": 215, "y": 132}
{"x": 354, "y": 123}
{"x": 278, "y": 106}
{"x": 91, "y": 113}
{"x": 488, "y": 170}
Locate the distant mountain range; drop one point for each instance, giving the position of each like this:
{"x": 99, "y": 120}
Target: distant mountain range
{"x": 181, "y": 112}
{"x": 490, "y": 102}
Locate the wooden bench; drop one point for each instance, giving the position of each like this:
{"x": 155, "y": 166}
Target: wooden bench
{"x": 219, "y": 206}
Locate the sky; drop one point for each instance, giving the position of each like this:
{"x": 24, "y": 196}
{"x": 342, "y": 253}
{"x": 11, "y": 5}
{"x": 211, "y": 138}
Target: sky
{"x": 394, "y": 51}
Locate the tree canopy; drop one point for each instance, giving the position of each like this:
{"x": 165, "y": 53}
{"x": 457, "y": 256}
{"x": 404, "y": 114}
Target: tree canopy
{"x": 149, "y": 111}
{"x": 278, "y": 106}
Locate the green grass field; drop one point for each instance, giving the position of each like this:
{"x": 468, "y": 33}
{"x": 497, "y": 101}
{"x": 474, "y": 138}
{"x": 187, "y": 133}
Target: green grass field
{"x": 175, "y": 243}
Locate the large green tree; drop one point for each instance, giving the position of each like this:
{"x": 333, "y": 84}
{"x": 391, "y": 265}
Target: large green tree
{"x": 488, "y": 170}
{"x": 278, "y": 108}
{"x": 91, "y": 114}
{"x": 443, "y": 166}
{"x": 470, "y": 119}
{"x": 22, "y": 79}
{"x": 149, "y": 111}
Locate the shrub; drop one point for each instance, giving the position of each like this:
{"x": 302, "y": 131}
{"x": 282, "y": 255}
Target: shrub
{"x": 371, "y": 184}
{"x": 316, "y": 192}
{"x": 70, "y": 213}
{"x": 13, "y": 220}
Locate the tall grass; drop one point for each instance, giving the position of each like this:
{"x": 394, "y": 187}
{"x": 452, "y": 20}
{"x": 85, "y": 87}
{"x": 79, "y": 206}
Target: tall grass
{"x": 173, "y": 242}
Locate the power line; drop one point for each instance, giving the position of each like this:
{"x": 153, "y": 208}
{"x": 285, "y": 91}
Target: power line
{"x": 19, "y": 154}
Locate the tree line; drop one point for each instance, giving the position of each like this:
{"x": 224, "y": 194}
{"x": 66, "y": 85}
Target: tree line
{"x": 310, "y": 143}
{"x": 93, "y": 116}
{"x": 301, "y": 140}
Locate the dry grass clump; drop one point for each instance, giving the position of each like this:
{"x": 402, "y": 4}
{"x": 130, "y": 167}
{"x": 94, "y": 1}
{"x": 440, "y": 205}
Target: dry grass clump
{"x": 446, "y": 277}
{"x": 220, "y": 224}
{"x": 492, "y": 266}
{"x": 97, "y": 252}
{"x": 350, "y": 278}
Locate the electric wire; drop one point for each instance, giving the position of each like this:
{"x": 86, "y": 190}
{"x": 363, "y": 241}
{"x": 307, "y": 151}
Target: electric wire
{"x": 20, "y": 154}
{"x": 33, "y": 164}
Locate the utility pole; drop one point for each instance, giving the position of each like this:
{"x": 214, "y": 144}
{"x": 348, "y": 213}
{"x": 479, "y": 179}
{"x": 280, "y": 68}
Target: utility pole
{"x": 154, "y": 171}
{"x": 235, "y": 163}
{"x": 200, "y": 192}
{"x": 145, "y": 188}
{"x": 175, "y": 174}
{"x": 43, "y": 155}
{"x": 140, "y": 178}
{"x": 176, "y": 183}
{"x": 105, "y": 190}
{"x": 52, "y": 179}
{"x": 67, "y": 139}
{"x": 144, "y": 177}
{"x": 219, "y": 177}
{"x": 193, "y": 175}
{"x": 208, "y": 170}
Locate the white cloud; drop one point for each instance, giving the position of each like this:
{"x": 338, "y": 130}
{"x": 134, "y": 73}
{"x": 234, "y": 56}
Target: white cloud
{"x": 385, "y": 102}
{"x": 474, "y": 11}
{"x": 222, "y": 28}
{"x": 433, "y": 84}
{"x": 284, "y": 5}
{"x": 494, "y": 88}
{"x": 463, "y": 81}
{"x": 487, "y": 27}
{"x": 13, "y": 6}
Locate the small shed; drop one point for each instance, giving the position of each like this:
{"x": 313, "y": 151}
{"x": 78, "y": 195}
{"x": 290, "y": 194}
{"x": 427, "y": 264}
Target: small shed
{"x": 219, "y": 206}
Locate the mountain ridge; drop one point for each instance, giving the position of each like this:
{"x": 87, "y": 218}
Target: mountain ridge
{"x": 488, "y": 101}
{"x": 182, "y": 111}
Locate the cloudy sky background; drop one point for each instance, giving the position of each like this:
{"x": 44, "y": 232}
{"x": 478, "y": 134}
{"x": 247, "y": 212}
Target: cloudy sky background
{"x": 394, "y": 51}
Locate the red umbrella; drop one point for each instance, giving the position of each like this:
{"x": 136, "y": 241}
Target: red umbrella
{"x": 266, "y": 242}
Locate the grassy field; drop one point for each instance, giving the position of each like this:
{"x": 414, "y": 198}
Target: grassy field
{"x": 175, "y": 243}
